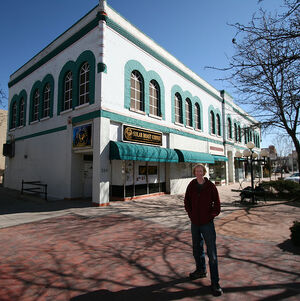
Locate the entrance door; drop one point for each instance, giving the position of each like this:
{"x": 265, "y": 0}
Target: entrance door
{"x": 87, "y": 179}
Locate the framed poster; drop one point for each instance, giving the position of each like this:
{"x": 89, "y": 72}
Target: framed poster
{"x": 82, "y": 136}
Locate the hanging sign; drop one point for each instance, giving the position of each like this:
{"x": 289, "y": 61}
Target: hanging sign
{"x": 133, "y": 134}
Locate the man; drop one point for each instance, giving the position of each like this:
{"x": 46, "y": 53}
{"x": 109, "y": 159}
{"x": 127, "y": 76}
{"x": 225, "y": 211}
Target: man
{"x": 202, "y": 203}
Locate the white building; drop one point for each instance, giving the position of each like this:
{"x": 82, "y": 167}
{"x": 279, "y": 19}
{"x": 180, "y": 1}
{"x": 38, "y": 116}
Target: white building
{"x": 105, "y": 112}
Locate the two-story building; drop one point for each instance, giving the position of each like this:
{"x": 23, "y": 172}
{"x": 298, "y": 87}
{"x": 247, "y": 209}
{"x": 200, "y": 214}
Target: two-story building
{"x": 104, "y": 112}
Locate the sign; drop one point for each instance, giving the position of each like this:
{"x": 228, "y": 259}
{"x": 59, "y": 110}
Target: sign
{"x": 82, "y": 136}
{"x": 133, "y": 134}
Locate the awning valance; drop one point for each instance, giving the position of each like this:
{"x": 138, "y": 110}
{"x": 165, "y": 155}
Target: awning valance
{"x": 195, "y": 157}
{"x": 129, "y": 151}
{"x": 220, "y": 158}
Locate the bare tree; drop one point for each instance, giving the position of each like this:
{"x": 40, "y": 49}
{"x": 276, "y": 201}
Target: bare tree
{"x": 265, "y": 69}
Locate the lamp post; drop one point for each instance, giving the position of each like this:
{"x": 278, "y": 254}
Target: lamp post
{"x": 250, "y": 156}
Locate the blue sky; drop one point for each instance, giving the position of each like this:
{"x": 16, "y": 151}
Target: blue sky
{"x": 194, "y": 31}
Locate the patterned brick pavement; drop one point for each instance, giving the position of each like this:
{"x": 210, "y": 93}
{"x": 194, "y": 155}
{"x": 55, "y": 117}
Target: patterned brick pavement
{"x": 136, "y": 251}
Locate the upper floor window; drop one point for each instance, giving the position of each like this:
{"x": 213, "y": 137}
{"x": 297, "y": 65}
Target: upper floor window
{"x": 46, "y": 100}
{"x": 84, "y": 83}
{"x": 229, "y": 129}
{"x": 235, "y": 133}
{"x": 178, "y": 108}
{"x": 68, "y": 91}
{"x": 14, "y": 116}
{"x": 212, "y": 122}
{"x": 197, "y": 117}
{"x": 239, "y": 134}
{"x": 154, "y": 98}
{"x": 188, "y": 112}
{"x": 22, "y": 112}
{"x": 36, "y": 104}
{"x": 136, "y": 91}
{"x": 218, "y": 125}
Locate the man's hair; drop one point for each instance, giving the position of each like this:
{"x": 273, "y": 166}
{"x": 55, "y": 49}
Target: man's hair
{"x": 199, "y": 165}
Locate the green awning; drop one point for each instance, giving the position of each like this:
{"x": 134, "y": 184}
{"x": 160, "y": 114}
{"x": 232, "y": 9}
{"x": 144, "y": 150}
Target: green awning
{"x": 220, "y": 158}
{"x": 195, "y": 157}
{"x": 130, "y": 151}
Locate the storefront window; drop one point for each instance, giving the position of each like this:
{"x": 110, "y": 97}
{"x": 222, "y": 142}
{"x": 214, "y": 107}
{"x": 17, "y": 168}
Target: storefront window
{"x": 217, "y": 172}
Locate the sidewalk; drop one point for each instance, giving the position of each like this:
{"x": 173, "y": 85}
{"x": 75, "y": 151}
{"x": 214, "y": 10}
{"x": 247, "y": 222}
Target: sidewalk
{"x": 141, "y": 250}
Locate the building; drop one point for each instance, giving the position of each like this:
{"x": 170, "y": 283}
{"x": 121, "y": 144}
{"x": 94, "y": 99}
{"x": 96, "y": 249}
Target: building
{"x": 93, "y": 121}
{"x": 3, "y": 130}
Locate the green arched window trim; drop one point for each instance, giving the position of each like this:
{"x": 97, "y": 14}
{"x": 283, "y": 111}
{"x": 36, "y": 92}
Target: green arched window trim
{"x": 216, "y": 112}
{"x": 198, "y": 101}
{"x": 132, "y": 65}
{"x": 14, "y": 101}
{"x": 17, "y": 99}
{"x": 48, "y": 79}
{"x": 74, "y": 67}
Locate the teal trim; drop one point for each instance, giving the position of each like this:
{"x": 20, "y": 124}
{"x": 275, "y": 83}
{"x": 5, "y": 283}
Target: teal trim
{"x": 159, "y": 57}
{"x": 101, "y": 67}
{"x": 23, "y": 95}
{"x": 194, "y": 157}
{"x": 129, "y": 67}
{"x": 69, "y": 66}
{"x": 176, "y": 89}
{"x": 55, "y": 130}
{"x": 86, "y": 56}
{"x": 132, "y": 121}
{"x": 78, "y": 35}
{"x": 36, "y": 86}
{"x": 50, "y": 80}
{"x": 220, "y": 158}
{"x": 129, "y": 151}
{"x": 211, "y": 109}
{"x": 217, "y": 112}
{"x": 228, "y": 116}
{"x": 85, "y": 117}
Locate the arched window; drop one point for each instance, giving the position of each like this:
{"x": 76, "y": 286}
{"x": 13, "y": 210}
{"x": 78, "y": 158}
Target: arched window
{"x": 178, "y": 108}
{"x": 84, "y": 84}
{"x": 14, "y": 116}
{"x": 240, "y": 134}
{"x": 68, "y": 91}
{"x": 218, "y": 119}
{"x": 154, "y": 98}
{"x": 22, "y": 111}
{"x": 251, "y": 139}
{"x": 36, "y": 103}
{"x": 235, "y": 133}
{"x": 197, "y": 117}
{"x": 188, "y": 112}
{"x": 46, "y": 100}
{"x": 212, "y": 122}
{"x": 136, "y": 91}
{"x": 229, "y": 128}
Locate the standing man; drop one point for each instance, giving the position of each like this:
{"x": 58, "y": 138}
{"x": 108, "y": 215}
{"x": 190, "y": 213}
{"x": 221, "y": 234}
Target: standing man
{"x": 202, "y": 204}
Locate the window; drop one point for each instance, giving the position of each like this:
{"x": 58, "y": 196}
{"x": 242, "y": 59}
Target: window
{"x": 229, "y": 128}
{"x": 188, "y": 112}
{"x": 154, "y": 98}
{"x": 84, "y": 83}
{"x": 197, "y": 117}
{"x": 235, "y": 133}
{"x": 212, "y": 122}
{"x": 14, "y": 116}
{"x": 68, "y": 85}
{"x": 178, "y": 108}
{"x": 36, "y": 103}
{"x": 136, "y": 91}
{"x": 22, "y": 112}
{"x": 218, "y": 125}
{"x": 46, "y": 100}
{"x": 240, "y": 134}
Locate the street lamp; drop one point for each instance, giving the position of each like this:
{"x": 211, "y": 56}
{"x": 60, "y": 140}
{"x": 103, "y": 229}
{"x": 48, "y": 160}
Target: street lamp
{"x": 250, "y": 156}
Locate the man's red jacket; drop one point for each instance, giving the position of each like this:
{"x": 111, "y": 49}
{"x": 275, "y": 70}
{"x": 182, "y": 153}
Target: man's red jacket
{"x": 204, "y": 205}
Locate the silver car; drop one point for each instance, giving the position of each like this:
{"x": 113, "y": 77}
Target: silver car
{"x": 294, "y": 177}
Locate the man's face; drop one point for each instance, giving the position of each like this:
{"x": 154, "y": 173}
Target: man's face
{"x": 199, "y": 173}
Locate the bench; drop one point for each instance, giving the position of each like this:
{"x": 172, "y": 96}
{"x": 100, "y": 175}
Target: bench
{"x": 35, "y": 187}
{"x": 248, "y": 193}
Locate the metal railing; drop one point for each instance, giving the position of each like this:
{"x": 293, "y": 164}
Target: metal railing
{"x": 36, "y": 187}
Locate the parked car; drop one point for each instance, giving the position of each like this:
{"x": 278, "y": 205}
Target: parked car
{"x": 294, "y": 177}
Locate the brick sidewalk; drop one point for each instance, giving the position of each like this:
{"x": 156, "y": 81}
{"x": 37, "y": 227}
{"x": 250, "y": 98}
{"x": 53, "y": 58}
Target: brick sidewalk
{"x": 141, "y": 250}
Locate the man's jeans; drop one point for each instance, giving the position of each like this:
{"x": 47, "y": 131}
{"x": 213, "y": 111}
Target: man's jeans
{"x": 200, "y": 234}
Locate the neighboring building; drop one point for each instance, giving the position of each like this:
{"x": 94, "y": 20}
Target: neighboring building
{"x": 293, "y": 161}
{"x": 104, "y": 112}
{"x": 3, "y": 130}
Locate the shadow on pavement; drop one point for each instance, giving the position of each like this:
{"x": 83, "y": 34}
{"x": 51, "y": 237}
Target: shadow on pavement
{"x": 288, "y": 246}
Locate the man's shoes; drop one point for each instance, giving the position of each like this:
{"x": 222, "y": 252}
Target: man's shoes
{"x": 197, "y": 274}
{"x": 216, "y": 289}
